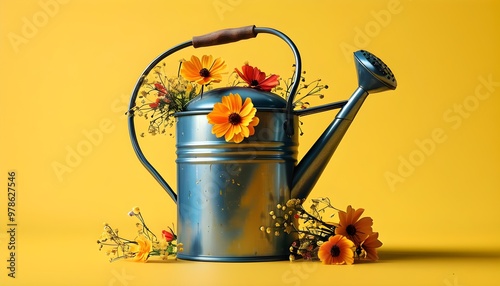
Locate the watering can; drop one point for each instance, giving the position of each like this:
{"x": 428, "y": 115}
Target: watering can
{"x": 226, "y": 191}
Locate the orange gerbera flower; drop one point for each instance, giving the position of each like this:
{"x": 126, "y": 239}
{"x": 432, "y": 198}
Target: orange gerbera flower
{"x": 141, "y": 249}
{"x": 203, "y": 71}
{"x": 352, "y": 227}
{"x": 370, "y": 246}
{"x": 233, "y": 119}
{"x": 337, "y": 250}
{"x": 255, "y": 78}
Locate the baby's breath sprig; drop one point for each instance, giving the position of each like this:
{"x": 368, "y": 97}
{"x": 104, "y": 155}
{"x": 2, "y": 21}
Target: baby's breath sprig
{"x": 314, "y": 225}
{"x": 233, "y": 79}
{"x": 116, "y": 247}
{"x": 312, "y": 232}
{"x": 305, "y": 90}
{"x": 143, "y": 228}
{"x": 161, "y": 97}
{"x": 145, "y": 244}
{"x": 284, "y": 217}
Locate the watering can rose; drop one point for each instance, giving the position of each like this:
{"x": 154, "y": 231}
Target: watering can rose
{"x": 233, "y": 118}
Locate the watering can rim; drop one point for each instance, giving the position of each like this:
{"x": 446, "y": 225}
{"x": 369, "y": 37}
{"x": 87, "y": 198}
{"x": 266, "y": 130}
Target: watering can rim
{"x": 260, "y": 99}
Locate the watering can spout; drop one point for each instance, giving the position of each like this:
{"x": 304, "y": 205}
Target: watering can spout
{"x": 373, "y": 76}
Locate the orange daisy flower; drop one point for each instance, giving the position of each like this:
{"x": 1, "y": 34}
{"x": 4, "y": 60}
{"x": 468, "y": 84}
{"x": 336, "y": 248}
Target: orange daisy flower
{"x": 141, "y": 249}
{"x": 370, "y": 246}
{"x": 257, "y": 79}
{"x": 233, "y": 119}
{"x": 337, "y": 250}
{"x": 352, "y": 227}
{"x": 203, "y": 71}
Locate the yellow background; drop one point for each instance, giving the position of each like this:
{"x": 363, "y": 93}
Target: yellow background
{"x": 422, "y": 160}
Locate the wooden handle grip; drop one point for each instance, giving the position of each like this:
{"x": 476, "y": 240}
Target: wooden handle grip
{"x": 224, "y": 36}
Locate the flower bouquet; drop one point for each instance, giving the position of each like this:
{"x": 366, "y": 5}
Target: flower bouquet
{"x": 144, "y": 245}
{"x": 161, "y": 96}
{"x": 331, "y": 242}
{"x": 342, "y": 242}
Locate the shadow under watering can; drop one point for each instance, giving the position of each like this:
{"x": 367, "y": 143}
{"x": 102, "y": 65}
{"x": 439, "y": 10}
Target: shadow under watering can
{"x": 226, "y": 190}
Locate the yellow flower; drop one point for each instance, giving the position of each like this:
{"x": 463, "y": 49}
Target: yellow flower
{"x": 337, "y": 250}
{"x": 232, "y": 119}
{"x": 141, "y": 249}
{"x": 203, "y": 71}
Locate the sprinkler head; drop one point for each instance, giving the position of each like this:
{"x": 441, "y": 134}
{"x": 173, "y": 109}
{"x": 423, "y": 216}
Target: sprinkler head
{"x": 373, "y": 74}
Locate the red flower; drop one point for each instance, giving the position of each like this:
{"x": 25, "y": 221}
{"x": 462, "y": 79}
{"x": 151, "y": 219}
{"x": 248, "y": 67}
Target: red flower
{"x": 168, "y": 235}
{"x": 155, "y": 104}
{"x": 257, "y": 79}
{"x": 162, "y": 95}
{"x": 162, "y": 91}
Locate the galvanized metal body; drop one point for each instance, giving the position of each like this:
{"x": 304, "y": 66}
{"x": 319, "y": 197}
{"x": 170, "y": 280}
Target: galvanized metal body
{"x": 227, "y": 190}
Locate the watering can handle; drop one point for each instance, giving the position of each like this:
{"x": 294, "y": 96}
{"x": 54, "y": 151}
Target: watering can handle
{"x": 224, "y": 36}
{"x": 215, "y": 38}
{"x": 236, "y": 34}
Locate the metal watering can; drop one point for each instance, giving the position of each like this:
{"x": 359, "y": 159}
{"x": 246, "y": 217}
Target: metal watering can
{"x": 226, "y": 190}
